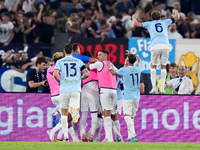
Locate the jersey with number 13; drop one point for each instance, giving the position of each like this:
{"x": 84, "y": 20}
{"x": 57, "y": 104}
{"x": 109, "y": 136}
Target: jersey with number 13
{"x": 70, "y": 70}
{"x": 131, "y": 79}
{"x": 158, "y": 31}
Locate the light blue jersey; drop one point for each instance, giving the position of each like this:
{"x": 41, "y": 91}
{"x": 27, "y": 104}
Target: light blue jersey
{"x": 70, "y": 70}
{"x": 158, "y": 31}
{"x": 131, "y": 79}
{"x": 119, "y": 91}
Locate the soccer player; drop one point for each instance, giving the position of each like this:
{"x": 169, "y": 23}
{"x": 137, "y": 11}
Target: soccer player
{"x": 89, "y": 100}
{"x": 70, "y": 69}
{"x": 131, "y": 77}
{"x": 159, "y": 44}
{"x": 108, "y": 85}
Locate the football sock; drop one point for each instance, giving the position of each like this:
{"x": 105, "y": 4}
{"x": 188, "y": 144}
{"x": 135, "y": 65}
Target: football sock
{"x": 60, "y": 134}
{"x": 64, "y": 123}
{"x": 93, "y": 123}
{"x": 117, "y": 124}
{"x": 75, "y": 126}
{"x": 56, "y": 128}
{"x": 72, "y": 133}
{"x": 163, "y": 77}
{"x": 84, "y": 115}
{"x": 130, "y": 127}
{"x": 108, "y": 128}
{"x": 153, "y": 79}
{"x": 98, "y": 130}
{"x": 114, "y": 129}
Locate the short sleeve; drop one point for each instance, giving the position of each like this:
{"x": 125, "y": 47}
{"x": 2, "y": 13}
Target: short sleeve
{"x": 120, "y": 71}
{"x": 168, "y": 21}
{"x": 145, "y": 24}
{"x": 57, "y": 65}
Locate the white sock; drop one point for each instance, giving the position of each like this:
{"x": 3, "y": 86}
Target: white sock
{"x": 72, "y": 133}
{"x": 117, "y": 124}
{"x": 75, "y": 126}
{"x": 114, "y": 129}
{"x": 163, "y": 77}
{"x": 153, "y": 79}
{"x": 56, "y": 128}
{"x": 93, "y": 123}
{"x": 60, "y": 134}
{"x": 130, "y": 126}
{"x": 64, "y": 122}
{"x": 98, "y": 130}
{"x": 108, "y": 128}
{"x": 84, "y": 115}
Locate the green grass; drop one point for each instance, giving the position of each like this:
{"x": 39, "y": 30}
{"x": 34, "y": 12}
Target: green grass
{"x": 96, "y": 146}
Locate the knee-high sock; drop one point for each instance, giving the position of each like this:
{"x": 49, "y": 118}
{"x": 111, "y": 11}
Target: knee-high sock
{"x": 83, "y": 123}
{"x": 153, "y": 79}
{"x": 64, "y": 123}
{"x": 60, "y": 134}
{"x": 56, "y": 128}
{"x": 114, "y": 129}
{"x": 163, "y": 77}
{"x": 108, "y": 128}
{"x": 75, "y": 126}
{"x": 130, "y": 126}
{"x": 93, "y": 123}
{"x": 98, "y": 130}
{"x": 117, "y": 124}
{"x": 72, "y": 133}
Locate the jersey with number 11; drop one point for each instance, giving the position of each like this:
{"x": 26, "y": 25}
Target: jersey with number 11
{"x": 131, "y": 79}
{"x": 70, "y": 70}
{"x": 158, "y": 31}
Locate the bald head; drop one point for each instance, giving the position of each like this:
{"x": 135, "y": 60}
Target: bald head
{"x": 182, "y": 71}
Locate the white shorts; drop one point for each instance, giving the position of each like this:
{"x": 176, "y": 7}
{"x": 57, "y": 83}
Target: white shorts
{"x": 90, "y": 96}
{"x": 130, "y": 107}
{"x": 70, "y": 100}
{"x": 118, "y": 107}
{"x": 56, "y": 101}
{"x": 160, "y": 54}
{"x": 107, "y": 98}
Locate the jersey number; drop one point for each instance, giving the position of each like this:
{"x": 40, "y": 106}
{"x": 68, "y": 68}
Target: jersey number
{"x": 158, "y": 27}
{"x": 72, "y": 66}
{"x": 134, "y": 78}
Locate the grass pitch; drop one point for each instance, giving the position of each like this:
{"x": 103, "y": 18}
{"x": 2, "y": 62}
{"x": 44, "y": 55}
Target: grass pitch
{"x": 96, "y": 146}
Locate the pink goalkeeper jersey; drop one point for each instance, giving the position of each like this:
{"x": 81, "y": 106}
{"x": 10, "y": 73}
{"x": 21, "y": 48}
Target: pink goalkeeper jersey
{"x": 53, "y": 84}
{"x": 105, "y": 78}
{"x": 93, "y": 76}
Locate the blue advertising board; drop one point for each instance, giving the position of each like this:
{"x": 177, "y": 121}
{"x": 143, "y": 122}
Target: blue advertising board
{"x": 141, "y": 47}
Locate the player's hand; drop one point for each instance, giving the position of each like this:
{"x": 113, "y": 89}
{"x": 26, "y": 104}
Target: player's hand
{"x": 127, "y": 52}
{"x": 134, "y": 16}
{"x": 174, "y": 11}
{"x": 6, "y": 44}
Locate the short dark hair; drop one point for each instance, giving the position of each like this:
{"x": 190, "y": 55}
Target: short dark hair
{"x": 104, "y": 51}
{"x": 75, "y": 47}
{"x": 40, "y": 60}
{"x": 5, "y": 14}
{"x": 37, "y": 52}
{"x": 103, "y": 22}
{"x": 87, "y": 53}
{"x": 173, "y": 65}
{"x": 131, "y": 58}
{"x": 155, "y": 15}
{"x": 68, "y": 48}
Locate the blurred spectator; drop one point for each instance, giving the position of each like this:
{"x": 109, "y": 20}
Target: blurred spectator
{"x": 170, "y": 4}
{"x": 125, "y": 5}
{"x": 127, "y": 23}
{"x": 173, "y": 33}
{"x": 111, "y": 4}
{"x": 196, "y": 33}
{"x": 4, "y": 58}
{"x": 10, "y": 4}
{"x": 36, "y": 78}
{"x": 50, "y": 62}
{"x": 19, "y": 29}
{"x": 60, "y": 21}
{"x": 89, "y": 11}
{"x": 36, "y": 55}
{"x": 104, "y": 30}
{"x": 81, "y": 12}
{"x": 6, "y": 29}
{"x": 182, "y": 27}
{"x": 63, "y": 7}
{"x": 93, "y": 5}
{"x": 74, "y": 29}
{"x": 54, "y": 4}
{"x": 195, "y": 7}
{"x": 181, "y": 85}
{"x": 90, "y": 27}
{"x": 28, "y": 6}
{"x": 117, "y": 27}
{"x": 52, "y": 15}
{"x": 191, "y": 22}
{"x": 3, "y": 8}
{"x": 111, "y": 17}
{"x": 75, "y": 4}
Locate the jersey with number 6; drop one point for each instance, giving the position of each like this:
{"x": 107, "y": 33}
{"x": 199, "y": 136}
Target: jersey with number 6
{"x": 70, "y": 70}
{"x": 131, "y": 79}
{"x": 158, "y": 31}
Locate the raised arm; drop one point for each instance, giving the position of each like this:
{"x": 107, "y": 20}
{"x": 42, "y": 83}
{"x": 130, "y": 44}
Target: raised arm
{"x": 135, "y": 22}
{"x": 176, "y": 15}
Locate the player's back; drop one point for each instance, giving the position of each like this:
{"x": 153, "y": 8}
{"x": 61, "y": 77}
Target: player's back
{"x": 131, "y": 80}
{"x": 70, "y": 70}
{"x": 158, "y": 31}
{"x": 53, "y": 84}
